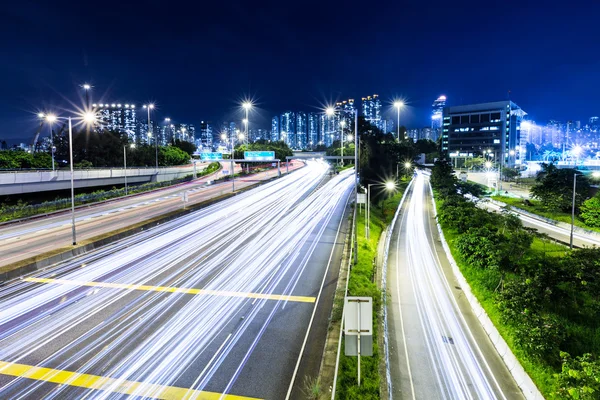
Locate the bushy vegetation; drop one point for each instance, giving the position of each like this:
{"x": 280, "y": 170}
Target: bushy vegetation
{"x": 18, "y": 159}
{"x": 23, "y": 210}
{"x": 545, "y": 304}
{"x": 102, "y": 149}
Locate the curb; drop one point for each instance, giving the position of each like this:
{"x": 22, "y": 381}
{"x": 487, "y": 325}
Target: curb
{"x": 523, "y": 380}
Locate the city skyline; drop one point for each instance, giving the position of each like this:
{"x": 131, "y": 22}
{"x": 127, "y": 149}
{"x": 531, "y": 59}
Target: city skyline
{"x": 46, "y": 63}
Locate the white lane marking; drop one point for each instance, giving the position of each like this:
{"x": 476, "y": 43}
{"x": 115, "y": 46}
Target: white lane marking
{"x": 412, "y": 386}
{"x": 312, "y": 317}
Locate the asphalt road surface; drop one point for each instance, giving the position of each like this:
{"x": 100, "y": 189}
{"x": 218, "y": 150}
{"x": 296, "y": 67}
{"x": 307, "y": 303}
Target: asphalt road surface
{"x": 438, "y": 349}
{"x": 23, "y": 240}
{"x": 215, "y": 304}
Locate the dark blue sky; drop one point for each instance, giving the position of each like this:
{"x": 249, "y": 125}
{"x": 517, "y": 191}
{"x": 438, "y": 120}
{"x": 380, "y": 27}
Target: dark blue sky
{"x": 197, "y": 61}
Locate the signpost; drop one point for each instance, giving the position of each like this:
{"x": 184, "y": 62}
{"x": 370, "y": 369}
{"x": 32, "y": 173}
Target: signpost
{"x": 361, "y": 198}
{"x": 358, "y": 327}
{"x": 208, "y": 156}
{"x": 259, "y": 155}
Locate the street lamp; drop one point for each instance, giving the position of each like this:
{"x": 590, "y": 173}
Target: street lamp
{"x": 87, "y": 87}
{"x": 330, "y": 111}
{"x": 247, "y": 106}
{"x": 50, "y": 118}
{"x": 88, "y": 118}
{"x": 398, "y": 105}
{"x": 151, "y": 107}
{"x": 132, "y": 145}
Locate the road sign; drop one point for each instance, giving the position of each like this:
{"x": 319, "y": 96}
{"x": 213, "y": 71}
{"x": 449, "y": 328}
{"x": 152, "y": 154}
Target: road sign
{"x": 362, "y": 198}
{"x": 211, "y": 156}
{"x": 225, "y": 172}
{"x": 358, "y": 327}
{"x": 355, "y": 308}
{"x": 259, "y": 155}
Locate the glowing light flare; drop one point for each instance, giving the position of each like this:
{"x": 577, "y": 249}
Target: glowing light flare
{"x": 390, "y": 185}
{"x": 398, "y": 104}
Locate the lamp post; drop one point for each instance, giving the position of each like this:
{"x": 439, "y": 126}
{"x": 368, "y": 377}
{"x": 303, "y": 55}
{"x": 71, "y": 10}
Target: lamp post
{"x": 247, "y": 106}
{"x": 369, "y": 209}
{"x": 330, "y": 111}
{"x": 151, "y": 107}
{"x": 132, "y": 145}
{"x": 398, "y": 105}
{"x": 87, "y": 87}
{"x": 51, "y": 118}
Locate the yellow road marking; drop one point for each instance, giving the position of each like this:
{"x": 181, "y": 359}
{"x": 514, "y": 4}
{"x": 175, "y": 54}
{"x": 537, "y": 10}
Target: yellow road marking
{"x": 170, "y": 289}
{"x": 115, "y": 385}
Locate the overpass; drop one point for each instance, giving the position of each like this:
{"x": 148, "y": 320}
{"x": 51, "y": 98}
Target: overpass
{"x": 20, "y": 182}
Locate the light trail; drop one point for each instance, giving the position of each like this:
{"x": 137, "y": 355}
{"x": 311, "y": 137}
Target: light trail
{"x": 457, "y": 367}
{"x": 257, "y": 242}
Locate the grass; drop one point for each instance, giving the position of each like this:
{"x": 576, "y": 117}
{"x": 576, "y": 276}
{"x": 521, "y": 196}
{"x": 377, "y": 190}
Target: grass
{"x": 535, "y": 207}
{"x": 362, "y": 283}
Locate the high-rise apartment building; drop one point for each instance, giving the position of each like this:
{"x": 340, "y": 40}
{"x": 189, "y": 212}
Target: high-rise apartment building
{"x": 437, "y": 110}
{"x": 493, "y": 128}
{"x": 206, "y": 135}
{"x": 301, "y": 131}
{"x": 313, "y": 129}
{"x": 275, "y": 137}
{"x": 371, "y": 110}
{"x": 288, "y": 128}
{"x": 117, "y": 117}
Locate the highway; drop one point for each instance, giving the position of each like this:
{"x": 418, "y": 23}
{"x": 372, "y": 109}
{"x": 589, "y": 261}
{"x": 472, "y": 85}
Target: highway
{"x": 37, "y": 236}
{"x": 215, "y": 304}
{"x": 438, "y": 349}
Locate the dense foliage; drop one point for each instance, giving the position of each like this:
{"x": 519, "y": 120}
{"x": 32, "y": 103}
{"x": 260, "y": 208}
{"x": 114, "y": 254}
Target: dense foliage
{"x": 554, "y": 188}
{"x": 548, "y": 304}
{"x": 103, "y": 149}
{"x": 22, "y": 159}
{"x": 590, "y": 212}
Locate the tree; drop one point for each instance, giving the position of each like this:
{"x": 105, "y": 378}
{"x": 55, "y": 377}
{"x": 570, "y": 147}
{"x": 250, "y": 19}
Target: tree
{"x": 590, "y": 211}
{"x": 188, "y": 147}
{"x": 554, "y": 188}
{"x": 509, "y": 174}
{"x": 579, "y": 377}
{"x": 475, "y": 163}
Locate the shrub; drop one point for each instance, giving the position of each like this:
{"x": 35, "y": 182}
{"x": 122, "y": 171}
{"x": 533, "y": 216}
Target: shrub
{"x": 590, "y": 212}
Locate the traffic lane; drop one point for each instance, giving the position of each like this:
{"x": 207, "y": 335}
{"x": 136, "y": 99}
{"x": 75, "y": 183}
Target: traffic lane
{"x": 414, "y": 375}
{"x": 441, "y": 360}
{"x": 271, "y": 365}
{"x": 28, "y": 245}
{"x": 96, "y": 293}
{"x": 30, "y": 227}
{"x": 556, "y": 232}
{"x": 486, "y": 352}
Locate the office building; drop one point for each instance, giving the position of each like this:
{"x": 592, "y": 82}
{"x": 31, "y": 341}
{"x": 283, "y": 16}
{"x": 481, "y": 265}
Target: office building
{"x": 493, "y": 128}
{"x": 288, "y": 128}
{"x": 437, "y": 110}
{"x": 275, "y": 137}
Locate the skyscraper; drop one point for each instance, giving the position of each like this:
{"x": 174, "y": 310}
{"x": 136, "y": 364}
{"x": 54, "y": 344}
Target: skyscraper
{"x": 275, "y": 129}
{"x": 301, "y": 131}
{"x": 206, "y": 135}
{"x": 117, "y": 117}
{"x": 288, "y": 128}
{"x": 371, "y": 109}
{"x": 313, "y": 129}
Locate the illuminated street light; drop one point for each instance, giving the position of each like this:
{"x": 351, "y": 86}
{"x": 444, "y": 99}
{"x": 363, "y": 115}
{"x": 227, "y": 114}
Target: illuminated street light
{"x": 247, "y": 106}
{"x": 398, "y": 104}
{"x": 342, "y": 125}
{"x": 407, "y": 165}
{"x": 224, "y": 137}
{"x": 390, "y": 185}
{"x": 151, "y": 107}
{"x": 488, "y": 164}
{"x": 50, "y": 118}
{"x": 41, "y": 115}
{"x": 596, "y": 174}
{"x": 329, "y": 111}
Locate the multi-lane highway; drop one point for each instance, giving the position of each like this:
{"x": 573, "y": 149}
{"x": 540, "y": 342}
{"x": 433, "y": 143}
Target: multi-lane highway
{"x": 215, "y": 304}
{"x": 38, "y": 236}
{"x": 438, "y": 349}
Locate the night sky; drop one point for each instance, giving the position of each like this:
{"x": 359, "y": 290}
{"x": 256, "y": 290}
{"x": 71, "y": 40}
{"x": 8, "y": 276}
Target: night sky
{"x": 197, "y": 62}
